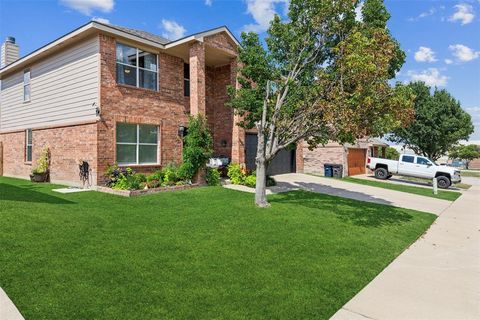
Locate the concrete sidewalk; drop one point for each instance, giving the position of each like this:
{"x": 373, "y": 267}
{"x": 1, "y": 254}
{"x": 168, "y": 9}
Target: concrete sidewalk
{"x": 360, "y": 192}
{"x": 8, "y": 311}
{"x": 438, "y": 277}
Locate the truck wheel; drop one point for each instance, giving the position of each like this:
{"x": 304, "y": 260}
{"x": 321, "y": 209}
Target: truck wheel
{"x": 381, "y": 173}
{"x": 443, "y": 182}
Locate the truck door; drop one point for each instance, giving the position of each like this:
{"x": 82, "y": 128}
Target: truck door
{"x": 425, "y": 168}
{"x": 406, "y": 165}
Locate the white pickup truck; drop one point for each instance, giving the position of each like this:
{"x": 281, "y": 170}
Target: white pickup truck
{"x": 414, "y": 166}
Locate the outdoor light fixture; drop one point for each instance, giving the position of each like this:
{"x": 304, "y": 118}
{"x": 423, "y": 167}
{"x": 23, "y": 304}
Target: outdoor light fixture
{"x": 182, "y": 131}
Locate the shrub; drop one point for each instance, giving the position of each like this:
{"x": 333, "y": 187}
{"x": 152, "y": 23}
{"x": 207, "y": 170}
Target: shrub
{"x": 157, "y": 175}
{"x": 236, "y": 174}
{"x": 43, "y": 163}
{"x": 197, "y": 146}
{"x": 141, "y": 177}
{"x": 170, "y": 175}
{"x": 250, "y": 181}
{"x": 213, "y": 177}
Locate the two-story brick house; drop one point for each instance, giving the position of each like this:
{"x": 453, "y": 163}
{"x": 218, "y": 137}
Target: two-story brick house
{"x": 107, "y": 94}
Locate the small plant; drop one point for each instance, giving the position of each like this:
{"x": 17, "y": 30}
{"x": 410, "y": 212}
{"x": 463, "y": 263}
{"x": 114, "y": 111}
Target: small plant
{"x": 170, "y": 175}
{"x": 40, "y": 173}
{"x": 43, "y": 162}
{"x": 213, "y": 177}
{"x": 250, "y": 181}
{"x": 236, "y": 174}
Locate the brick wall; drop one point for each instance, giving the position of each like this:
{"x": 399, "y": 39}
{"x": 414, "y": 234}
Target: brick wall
{"x": 313, "y": 160}
{"x": 136, "y": 105}
{"x": 67, "y": 146}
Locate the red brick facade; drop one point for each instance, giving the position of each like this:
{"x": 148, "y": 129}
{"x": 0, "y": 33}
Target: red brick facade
{"x": 67, "y": 145}
{"x": 167, "y": 108}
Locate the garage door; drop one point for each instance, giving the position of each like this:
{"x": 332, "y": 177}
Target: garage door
{"x": 356, "y": 161}
{"x": 284, "y": 161}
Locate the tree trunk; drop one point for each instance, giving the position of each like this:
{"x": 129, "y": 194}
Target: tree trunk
{"x": 261, "y": 184}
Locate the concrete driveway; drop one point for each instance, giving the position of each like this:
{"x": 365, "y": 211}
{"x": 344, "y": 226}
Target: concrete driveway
{"x": 437, "y": 278}
{"x": 359, "y": 192}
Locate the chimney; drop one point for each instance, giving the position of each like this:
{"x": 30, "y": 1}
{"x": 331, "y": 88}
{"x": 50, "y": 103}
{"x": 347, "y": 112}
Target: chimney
{"x": 10, "y": 52}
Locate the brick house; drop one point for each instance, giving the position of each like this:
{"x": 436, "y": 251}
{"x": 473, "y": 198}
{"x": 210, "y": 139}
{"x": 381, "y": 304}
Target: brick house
{"x": 106, "y": 94}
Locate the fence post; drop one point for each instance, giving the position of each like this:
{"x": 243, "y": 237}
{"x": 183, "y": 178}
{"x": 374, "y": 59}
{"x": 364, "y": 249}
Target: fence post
{"x": 435, "y": 187}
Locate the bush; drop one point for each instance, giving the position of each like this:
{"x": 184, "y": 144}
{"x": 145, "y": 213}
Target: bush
{"x": 197, "y": 147}
{"x": 236, "y": 174}
{"x": 250, "y": 181}
{"x": 170, "y": 175}
{"x": 213, "y": 177}
{"x": 43, "y": 162}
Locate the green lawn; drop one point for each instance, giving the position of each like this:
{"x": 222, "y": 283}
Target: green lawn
{"x": 204, "y": 253}
{"x": 442, "y": 194}
{"x": 470, "y": 173}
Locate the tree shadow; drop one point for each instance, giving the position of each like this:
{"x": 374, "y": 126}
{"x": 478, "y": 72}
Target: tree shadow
{"x": 363, "y": 214}
{"x": 27, "y": 193}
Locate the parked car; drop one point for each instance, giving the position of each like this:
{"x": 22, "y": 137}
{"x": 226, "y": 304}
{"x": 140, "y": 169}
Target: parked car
{"x": 414, "y": 166}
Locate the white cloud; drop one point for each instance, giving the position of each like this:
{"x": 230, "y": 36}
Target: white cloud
{"x": 87, "y": 6}
{"x": 463, "y": 53}
{"x": 172, "y": 30}
{"x": 448, "y": 61}
{"x": 101, "y": 20}
{"x": 262, "y": 12}
{"x": 464, "y": 13}
{"x": 425, "y": 54}
{"x": 431, "y": 77}
{"x": 358, "y": 12}
{"x": 425, "y": 14}
{"x": 208, "y": 2}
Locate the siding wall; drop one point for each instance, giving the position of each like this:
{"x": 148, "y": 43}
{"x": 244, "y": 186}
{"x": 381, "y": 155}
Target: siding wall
{"x": 63, "y": 90}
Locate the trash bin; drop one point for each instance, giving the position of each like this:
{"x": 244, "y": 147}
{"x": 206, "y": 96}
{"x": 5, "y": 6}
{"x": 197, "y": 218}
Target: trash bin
{"x": 337, "y": 171}
{"x": 328, "y": 170}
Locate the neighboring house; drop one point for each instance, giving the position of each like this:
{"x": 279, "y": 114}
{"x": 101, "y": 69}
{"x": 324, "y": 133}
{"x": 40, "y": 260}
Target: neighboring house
{"x": 106, "y": 94}
{"x": 352, "y": 157}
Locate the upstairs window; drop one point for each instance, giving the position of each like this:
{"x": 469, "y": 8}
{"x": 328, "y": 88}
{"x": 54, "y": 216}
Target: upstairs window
{"x": 137, "y": 144}
{"x": 28, "y": 145}
{"x": 186, "y": 80}
{"x": 136, "y": 67}
{"x": 26, "y": 85}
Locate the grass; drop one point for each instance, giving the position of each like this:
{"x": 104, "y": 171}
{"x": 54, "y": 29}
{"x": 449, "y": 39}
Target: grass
{"x": 428, "y": 182}
{"x": 445, "y": 195}
{"x": 470, "y": 173}
{"x": 205, "y": 253}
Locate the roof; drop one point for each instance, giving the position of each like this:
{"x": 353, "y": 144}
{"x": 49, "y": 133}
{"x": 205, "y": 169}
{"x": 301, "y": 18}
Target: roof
{"x": 142, "y": 34}
{"x": 91, "y": 27}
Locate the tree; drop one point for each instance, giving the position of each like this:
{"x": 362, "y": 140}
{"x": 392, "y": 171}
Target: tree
{"x": 392, "y": 153}
{"x": 439, "y": 123}
{"x": 319, "y": 76}
{"x": 465, "y": 153}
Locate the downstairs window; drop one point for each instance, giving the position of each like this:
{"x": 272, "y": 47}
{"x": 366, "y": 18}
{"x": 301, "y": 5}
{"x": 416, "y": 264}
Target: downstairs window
{"x": 137, "y": 144}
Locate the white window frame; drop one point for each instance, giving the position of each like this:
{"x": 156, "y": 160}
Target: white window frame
{"x": 137, "y": 67}
{"x": 138, "y": 144}
{"x": 27, "y": 132}
{"x": 27, "y": 84}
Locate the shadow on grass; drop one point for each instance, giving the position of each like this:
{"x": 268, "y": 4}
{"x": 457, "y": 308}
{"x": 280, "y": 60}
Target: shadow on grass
{"x": 358, "y": 213}
{"x": 27, "y": 193}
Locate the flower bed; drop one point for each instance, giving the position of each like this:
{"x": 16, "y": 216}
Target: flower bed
{"x": 135, "y": 193}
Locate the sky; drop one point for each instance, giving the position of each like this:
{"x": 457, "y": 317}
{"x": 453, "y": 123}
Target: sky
{"x": 441, "y": 38}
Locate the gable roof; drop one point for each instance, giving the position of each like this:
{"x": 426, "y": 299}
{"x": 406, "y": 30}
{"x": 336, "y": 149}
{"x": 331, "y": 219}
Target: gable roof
{"x": 142, "y": 34}
{"x": 125, "y": 32}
